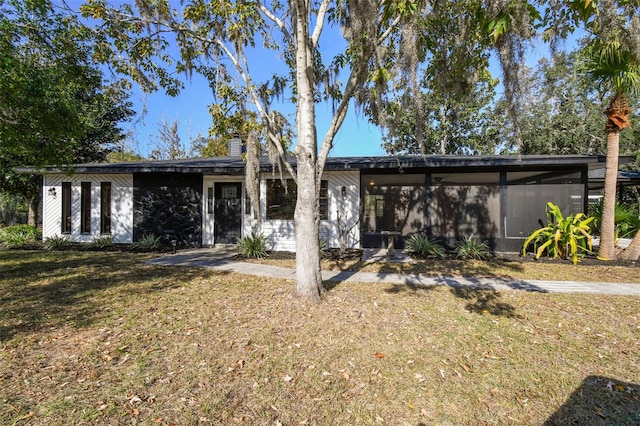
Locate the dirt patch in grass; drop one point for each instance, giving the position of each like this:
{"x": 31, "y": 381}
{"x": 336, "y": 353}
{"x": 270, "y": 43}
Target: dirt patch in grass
{"x": 100, "y": 338}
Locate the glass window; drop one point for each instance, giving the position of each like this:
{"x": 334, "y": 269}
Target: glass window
{"x": 85, "y": 207}
{"x": 324, "y": 200}
{"x": 105, "y": 207}
{"x": 210, "y": 200}
{"x": 281, "y": 199}
{"x": 66, "y": 208}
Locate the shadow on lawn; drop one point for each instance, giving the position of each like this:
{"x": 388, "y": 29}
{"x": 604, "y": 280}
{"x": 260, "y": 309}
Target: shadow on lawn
{"x": 600, "y": 401}
{"x": 481, "y": 300}
{"x": 485, "y": 301}
{"x": 51, "y": 290}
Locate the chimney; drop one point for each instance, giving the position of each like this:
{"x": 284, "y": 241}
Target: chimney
{"x": 235, "y": 147}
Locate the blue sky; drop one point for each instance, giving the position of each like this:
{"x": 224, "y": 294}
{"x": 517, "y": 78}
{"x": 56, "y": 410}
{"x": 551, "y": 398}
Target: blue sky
{"x": 357, "y": 137}
{"x": 191, "y": 109}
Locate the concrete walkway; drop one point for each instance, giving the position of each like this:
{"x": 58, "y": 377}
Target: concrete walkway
{"x": 221, "y": 259}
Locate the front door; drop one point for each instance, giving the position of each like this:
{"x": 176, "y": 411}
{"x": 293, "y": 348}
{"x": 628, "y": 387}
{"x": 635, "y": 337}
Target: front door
{"x": 227, "y": 212}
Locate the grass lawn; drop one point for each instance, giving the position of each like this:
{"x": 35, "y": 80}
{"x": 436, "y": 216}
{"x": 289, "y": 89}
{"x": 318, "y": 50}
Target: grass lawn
{"x": 100, "y": 338}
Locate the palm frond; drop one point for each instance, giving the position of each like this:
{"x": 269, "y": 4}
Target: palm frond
{"x": 614, "y": 66}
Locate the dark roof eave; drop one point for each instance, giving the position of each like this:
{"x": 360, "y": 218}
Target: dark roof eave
{"x": 235, "y": 165}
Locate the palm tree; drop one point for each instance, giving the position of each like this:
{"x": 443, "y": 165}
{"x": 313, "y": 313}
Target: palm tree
{"x": 618, "y": 70}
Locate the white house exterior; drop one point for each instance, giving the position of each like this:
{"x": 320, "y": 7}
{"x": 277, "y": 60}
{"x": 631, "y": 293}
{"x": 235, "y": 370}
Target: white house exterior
{"x": 121, "y": 206}
{"x": 203, "y": 202}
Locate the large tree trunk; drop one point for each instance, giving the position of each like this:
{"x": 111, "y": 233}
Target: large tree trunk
{"x": 607, "y": 249}
{"x": 34, "y": 205}
{"x": 307, "y": 219}
{"x": 633, "y": 251}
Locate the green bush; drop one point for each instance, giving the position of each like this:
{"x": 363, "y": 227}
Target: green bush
{"x": 252, "y": 246}
{"x": 101, "y": 242}
{"x": 148, "y": 242}
{"x": 422, "y": 245}
{"x": 55, "y": 243}
{"x": 322, "y": 244}
{"x": 18, "y": 235}
{"x": 469, "y": 248}
{"x": 626, "y": 219}
{"x": 562, "y": 237}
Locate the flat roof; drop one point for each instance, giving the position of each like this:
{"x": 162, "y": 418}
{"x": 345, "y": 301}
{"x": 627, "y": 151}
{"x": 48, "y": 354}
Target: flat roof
{"x": 236, "y": 165}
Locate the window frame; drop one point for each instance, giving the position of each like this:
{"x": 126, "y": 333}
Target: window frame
{"x": 105, "y": 207}
{"x": 287, "y": 198}
{"x": 65, "y": 214}
{"x": 85, "y": 207}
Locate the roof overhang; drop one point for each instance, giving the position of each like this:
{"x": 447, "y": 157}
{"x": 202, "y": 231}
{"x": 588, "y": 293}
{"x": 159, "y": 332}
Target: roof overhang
{"x": 236, "y": 165}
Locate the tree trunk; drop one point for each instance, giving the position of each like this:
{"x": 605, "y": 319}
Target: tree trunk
{"x": 34, "y": 205}
{"x": 607, "y": 249}
{"x": 633, "y": 251}
{"x": 307, "y": 219}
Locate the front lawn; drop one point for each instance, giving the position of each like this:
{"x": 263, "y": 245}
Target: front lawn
{"x": 100, "y": 338}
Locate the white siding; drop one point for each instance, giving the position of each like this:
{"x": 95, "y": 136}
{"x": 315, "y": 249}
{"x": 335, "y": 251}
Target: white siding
{"x": 342, "y": 210}
{"x": 121, "y": 206}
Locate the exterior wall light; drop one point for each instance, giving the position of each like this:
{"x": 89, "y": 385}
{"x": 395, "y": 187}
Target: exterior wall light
{"x": 52, "y": 192}
{"x": 343, "y": 191}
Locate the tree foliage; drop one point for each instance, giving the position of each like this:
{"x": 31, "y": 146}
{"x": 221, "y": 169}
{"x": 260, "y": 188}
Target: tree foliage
{"x": 54, "y": 108}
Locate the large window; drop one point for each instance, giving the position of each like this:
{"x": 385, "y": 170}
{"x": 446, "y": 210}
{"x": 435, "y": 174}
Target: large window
{"x": 66, "y": 208}
{"x": 465, "y": 204}
{"x": 528, "y": 193}
{"x": 281, "y": 199}
{"x": 394, "y": 202}
{"x": 105, "y": 207}
{"x": 85, "y": 207}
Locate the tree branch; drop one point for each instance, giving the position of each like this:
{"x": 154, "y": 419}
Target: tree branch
{"x": 322, "y": 11}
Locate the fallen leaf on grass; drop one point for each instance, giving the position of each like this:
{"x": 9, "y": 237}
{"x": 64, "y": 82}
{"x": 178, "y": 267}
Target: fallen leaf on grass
{"x": 379, "y": 355}
{"x": 26, "y": 416}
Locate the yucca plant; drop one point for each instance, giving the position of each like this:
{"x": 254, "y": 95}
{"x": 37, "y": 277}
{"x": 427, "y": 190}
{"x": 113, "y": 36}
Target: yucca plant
{"x": 470, "y": 248}
{"x": 101, "y": 242}
{"x": 148, "y": 242}
{"x": 422, "y": 245}
{"x": 562, "y": 237}
{"x": 56, "y": 242}
{"x": 252, "y": 246}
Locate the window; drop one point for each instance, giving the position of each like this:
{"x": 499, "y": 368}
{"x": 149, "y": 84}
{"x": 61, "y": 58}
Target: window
{"x": 85, "y": 207}
{"x": 105, "y": 207}
{"x": 66, "y": 208}
{"x": 324, "y": 200}
{"x": 210, "y": 200}
{"x": 281, "y": 199}
{"x": 393, "y": 202}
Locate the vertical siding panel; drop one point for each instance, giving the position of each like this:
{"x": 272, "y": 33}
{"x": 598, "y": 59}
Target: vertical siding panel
{"x": 281, "y": 233}
{"x": 121, "y": 206}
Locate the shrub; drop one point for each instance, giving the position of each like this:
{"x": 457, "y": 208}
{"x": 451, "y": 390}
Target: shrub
{"x": 252, "y": 246}
{"x": 562, "y": 237}
{"x": 469, "y": 248}
{"x": 18, "y": 235}
{"x": 101, "y": 242}
{"x": 322, "y": 244}
{"x": 422, "y": 245}
{"x": 148, "y": 242}
{"x": 626, "y": 219}
{"x": 55, "y": 243}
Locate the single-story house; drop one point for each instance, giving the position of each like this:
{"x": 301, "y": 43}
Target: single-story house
{"x": 203, "y": 202}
